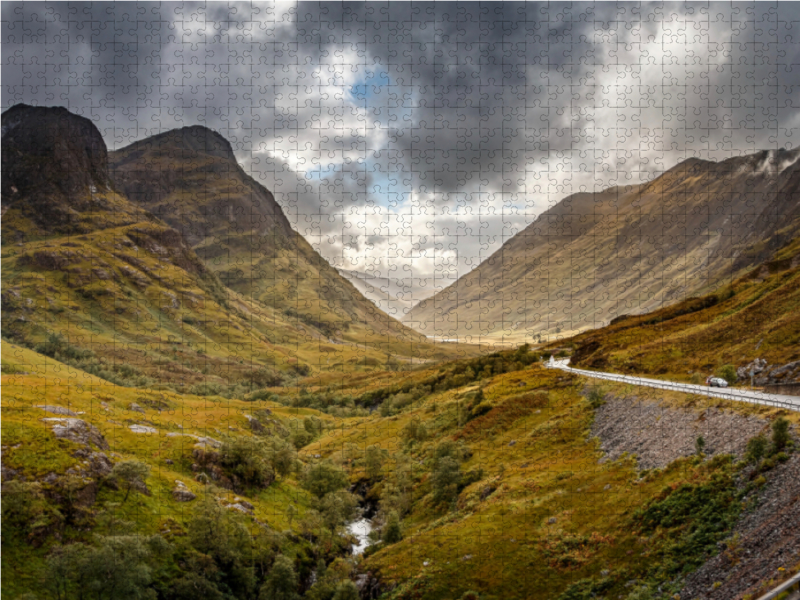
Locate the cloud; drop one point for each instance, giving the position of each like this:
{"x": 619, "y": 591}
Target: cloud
{"x": 416, "y": 138}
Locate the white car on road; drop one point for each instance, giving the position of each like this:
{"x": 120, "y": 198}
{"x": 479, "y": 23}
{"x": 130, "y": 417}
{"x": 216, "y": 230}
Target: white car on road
{"x": 716, "y": 382}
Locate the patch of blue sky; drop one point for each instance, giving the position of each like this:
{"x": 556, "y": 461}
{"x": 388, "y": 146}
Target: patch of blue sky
{"x": 369, "y": 86}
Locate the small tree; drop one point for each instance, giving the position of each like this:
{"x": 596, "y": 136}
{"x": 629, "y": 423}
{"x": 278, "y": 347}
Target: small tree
{"x": 337, "y": 508}
{"x": 131, "y": 474}
{"x": 699, "y": 445}
{"x": 323, "y": 478}
{"x": 392, "y": 534}
{"x": 373, "y": 461}
{"x": 446, "y": 478}
{"x": 283, "y": 457}
{"x": 115, "y": 568}
{"x": 281, "y": 583}
{"x": 780, "y": 434}
{"x": 728, "y": 373}
{"x": 756, "y": 448}
{"x": 249, "y": 459}
{"x": 415, "y": 431}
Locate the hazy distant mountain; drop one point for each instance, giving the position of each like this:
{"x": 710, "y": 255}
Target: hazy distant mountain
{"x": 595, "y": 256}
{"x": 393, "y": 296}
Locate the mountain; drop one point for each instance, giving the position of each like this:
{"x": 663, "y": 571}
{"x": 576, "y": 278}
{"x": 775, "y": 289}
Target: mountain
{"x": 753, "y": 323}
{"x": 394, "y": 296}
{"x": 107, "y": 286}
{"x": 624, "y": 250}
{"x": 190, "y": 178}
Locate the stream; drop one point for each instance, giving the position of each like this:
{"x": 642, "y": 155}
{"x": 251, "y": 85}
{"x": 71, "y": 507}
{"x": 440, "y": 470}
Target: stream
{"x": 361, "y": 529}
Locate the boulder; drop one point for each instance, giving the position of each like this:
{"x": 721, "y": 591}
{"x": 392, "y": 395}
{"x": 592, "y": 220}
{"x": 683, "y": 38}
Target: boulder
{"x": 142, "y": 429}
{"x": 77, "y": 430}
{"x": 181, "y": 493}
{"x": 56, "y": 410}
{"x": 255, "y": 425}
{"x": 100, "y": 465}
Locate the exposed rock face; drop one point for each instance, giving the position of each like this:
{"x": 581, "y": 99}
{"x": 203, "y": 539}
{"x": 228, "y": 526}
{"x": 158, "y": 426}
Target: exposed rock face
{"x": 142, "y": 429}
{"x": 77, "y": 430}
{"x": 659, "y": 434}
{"x": 55, "y": 167}
{"x": 255, "y": 425}
{"x": 64, "y": 142}
{"x": 765, "y": 374}
{"x": 100, "y": 465}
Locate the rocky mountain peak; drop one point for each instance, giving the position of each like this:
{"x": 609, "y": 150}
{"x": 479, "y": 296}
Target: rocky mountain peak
{"x": 195, "y": 140}
{"x": 49, "y": 150}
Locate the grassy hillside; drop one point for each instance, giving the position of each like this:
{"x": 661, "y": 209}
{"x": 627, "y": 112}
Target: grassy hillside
{"x": 500, "y": 490}
{"x": 634, "y": 249}
{"x": 756, "y": 316}
{"x": 66, "y": 499}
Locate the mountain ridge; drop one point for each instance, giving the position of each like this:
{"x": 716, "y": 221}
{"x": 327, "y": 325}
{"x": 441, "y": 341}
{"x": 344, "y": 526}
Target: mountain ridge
{"x": 109, "y": 286}
{"x": 596, "y": 255}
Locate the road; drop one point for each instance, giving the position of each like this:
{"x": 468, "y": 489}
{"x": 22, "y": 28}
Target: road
{"x": 740, "y": 395}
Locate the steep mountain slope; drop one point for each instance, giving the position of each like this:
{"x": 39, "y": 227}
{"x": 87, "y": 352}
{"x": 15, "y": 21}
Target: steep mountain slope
{"x": 595, "y": 256}
{"x": 753, "y": 321}
{"x": 98, "y": 282}
{"x": 190, "y": 178}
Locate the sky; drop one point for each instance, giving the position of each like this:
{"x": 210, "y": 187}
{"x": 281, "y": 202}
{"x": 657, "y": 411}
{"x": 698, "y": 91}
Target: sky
{"x": 410, "y": 140}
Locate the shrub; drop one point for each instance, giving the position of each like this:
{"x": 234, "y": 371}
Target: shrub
{"x": 780, "y": 434}
{"x": 415, "y": 431}
{"x": 596, "y": 396}
{"x": 728, "y": 373}
{"x": 131, "y": 474}
{"x": 756, "y": 448}
{"x": 699, "y": 445}
{"x": 324, "y": 478}
{"x": 264, "y": 377}
{"x": 446, "y": 478}
{"x": 373, "y": 462}
{"x": 694, "y": 518}
{"x": 248, "y": 458}
{"x": 393, "y": 533}
{"x": 346, "y": 590}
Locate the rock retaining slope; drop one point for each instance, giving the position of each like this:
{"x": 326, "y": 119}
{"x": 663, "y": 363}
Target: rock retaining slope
{"x": 767, "y": 541}
{"x": 658, "y": 434}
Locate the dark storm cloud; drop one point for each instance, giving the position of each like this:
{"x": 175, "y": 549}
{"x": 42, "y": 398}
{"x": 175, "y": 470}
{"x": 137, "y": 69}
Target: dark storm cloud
{"x": 421, "y": 134}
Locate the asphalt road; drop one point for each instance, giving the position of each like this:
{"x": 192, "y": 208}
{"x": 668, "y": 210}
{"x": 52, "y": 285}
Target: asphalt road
{"x": 740, "y": 395}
